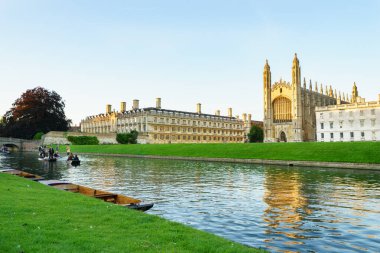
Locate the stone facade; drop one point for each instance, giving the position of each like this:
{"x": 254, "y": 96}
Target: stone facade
{"x": 57, "y": 137}
{"x": 358, "y": 121}
{"x": 157, "y": 125}
{"x": 289, "y": 108}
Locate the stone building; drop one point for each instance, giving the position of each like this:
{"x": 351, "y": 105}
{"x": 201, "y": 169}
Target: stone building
{"x": 158, "y": 125}
{"x": 357, "y": 121}
{"x": 289, "y": 108}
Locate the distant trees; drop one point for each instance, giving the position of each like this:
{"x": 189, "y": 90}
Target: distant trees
{"x": 256, "y": 134}
{"x": 37, "y": 110}
{"x": 127, "y": 138}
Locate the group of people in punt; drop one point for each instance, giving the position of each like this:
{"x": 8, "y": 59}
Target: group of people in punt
{"x": 51, "y": 153}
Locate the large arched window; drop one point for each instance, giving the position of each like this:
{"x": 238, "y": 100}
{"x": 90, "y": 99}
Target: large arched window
{"x": 282, "y": 110}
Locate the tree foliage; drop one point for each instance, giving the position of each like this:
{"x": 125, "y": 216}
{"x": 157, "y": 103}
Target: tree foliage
{"x": 37, "y": 110}
{"x": 256, "y": 134}
{"x": 127, "y": 138}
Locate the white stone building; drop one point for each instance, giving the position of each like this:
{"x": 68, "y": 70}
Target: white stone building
{"x": 358, "y": 121}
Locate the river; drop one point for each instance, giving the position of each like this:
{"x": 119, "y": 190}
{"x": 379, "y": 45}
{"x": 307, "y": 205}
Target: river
{"x": 281, "y": 209}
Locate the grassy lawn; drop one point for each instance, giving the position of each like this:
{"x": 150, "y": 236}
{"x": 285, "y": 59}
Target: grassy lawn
{"x": 357, "y": 152}
{"x": 37, "y": 218}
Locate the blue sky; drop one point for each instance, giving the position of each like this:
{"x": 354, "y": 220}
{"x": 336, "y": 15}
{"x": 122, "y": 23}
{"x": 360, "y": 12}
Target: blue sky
{"x": 95, "y": 53}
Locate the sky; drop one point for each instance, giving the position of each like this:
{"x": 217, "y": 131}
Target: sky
{"x": 95, "y": 53}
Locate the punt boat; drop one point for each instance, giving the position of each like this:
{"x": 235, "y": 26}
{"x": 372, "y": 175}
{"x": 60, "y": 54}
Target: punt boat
{"x": 22, "y": 174}
{"x": 110, "y": 197}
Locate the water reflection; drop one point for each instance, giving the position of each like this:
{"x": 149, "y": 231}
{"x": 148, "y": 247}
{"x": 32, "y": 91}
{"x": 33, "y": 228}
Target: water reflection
{"x": 278, "y": 208}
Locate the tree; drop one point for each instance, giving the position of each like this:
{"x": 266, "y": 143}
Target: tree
{"x": 37, "y": 110}
{"x": 256, "y": 134}
{"x": 127, "y": 138}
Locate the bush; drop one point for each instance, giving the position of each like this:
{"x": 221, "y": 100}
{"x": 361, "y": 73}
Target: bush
{"x": 83, "y": 140}
{"x": 38, "y": 136}
{"x": 127, "y": 138}
{"x": 256, "y": 134}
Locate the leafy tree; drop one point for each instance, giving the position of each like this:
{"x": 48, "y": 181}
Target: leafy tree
{"x": 256, "y": 134}
{"x": 37, "y": 110}
{"x": 38, "y": 136}
{"x": 127, "y": 138}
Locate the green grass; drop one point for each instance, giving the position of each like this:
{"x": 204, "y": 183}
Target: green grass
{"x": 37, "y": 218}
{"x": 356, "y": 152}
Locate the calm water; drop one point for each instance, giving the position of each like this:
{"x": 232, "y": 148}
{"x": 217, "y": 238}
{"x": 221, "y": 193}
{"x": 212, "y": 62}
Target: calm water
{"x": 278, "y": 208}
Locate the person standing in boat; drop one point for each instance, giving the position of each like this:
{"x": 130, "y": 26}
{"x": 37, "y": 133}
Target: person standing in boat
{"x": 68, "y": 150}
{"x": 51, "y": 153}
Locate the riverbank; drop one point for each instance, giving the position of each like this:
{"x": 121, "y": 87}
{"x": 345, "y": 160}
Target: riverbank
{"x": 353, "y": 155}
{"x": 37, "y": 218}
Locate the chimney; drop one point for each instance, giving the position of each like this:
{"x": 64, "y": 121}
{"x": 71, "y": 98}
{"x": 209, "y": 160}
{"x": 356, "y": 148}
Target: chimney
{"x": 158, "y": 103}
{"x": 244, "y": 116}
{"x": 108, "y": 109}
{"x": 230, "y": 112}
{"x": 123, "y": 107}
{"x": 217, "y": 112}
{"x": 135, "y": 104}
{"x": 199, "y": 111}
{"x": 249, "y": 117}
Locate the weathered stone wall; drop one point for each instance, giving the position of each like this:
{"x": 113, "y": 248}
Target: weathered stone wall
{"x": 55, "y": 137}
{"x": 30, "y": 145}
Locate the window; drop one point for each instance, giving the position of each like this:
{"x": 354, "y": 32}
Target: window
{"x": 322, "y": 125}
{"x": 361, "y": 113}
{"x": 352, "y": 134}
{"x": 341, "y": 135}
{"x": 322, "y": 135}
{"x": 373, "y": 122}
{"x": 362, "y": 123}
{"x": 362, "y": 134}
{"x": 351, "y": 123}
{"x": 341, "y": 124}
{"x": 372, "y": 111}
{"x": 331, "y": 125}
{"x": 331, "y": 135}
{"x": 330, "y": 114}
{"x": 340, "y": 114}
{"x": 321, "y": 115}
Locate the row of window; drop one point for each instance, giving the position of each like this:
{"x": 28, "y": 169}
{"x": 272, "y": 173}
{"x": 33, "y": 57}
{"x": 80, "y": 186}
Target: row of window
{"x": 350, "y": 113}
{"x": 341, "y": 135}
{"x": 194, "y": 122}
{"x": 193, "y": 130}
{"x": 351, "y": 123}
{"x": 194, "y": 138}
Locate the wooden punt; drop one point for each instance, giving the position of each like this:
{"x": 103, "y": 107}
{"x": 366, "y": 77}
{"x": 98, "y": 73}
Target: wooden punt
{"x": 110, "y": 197}
{"x": 118, "y": 199}
{"x": 22, "y": 174}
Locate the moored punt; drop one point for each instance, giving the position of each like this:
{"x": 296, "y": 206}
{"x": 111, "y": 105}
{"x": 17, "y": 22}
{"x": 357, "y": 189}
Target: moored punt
{"x": 118, "y": 199}
{"x": 22, "y": 174}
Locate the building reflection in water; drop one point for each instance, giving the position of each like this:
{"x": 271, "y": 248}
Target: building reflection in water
{"x": 287, "y": 206}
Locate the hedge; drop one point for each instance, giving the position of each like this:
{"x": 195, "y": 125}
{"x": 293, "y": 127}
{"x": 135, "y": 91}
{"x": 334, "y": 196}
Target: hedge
{"x": 83, "y": 140}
